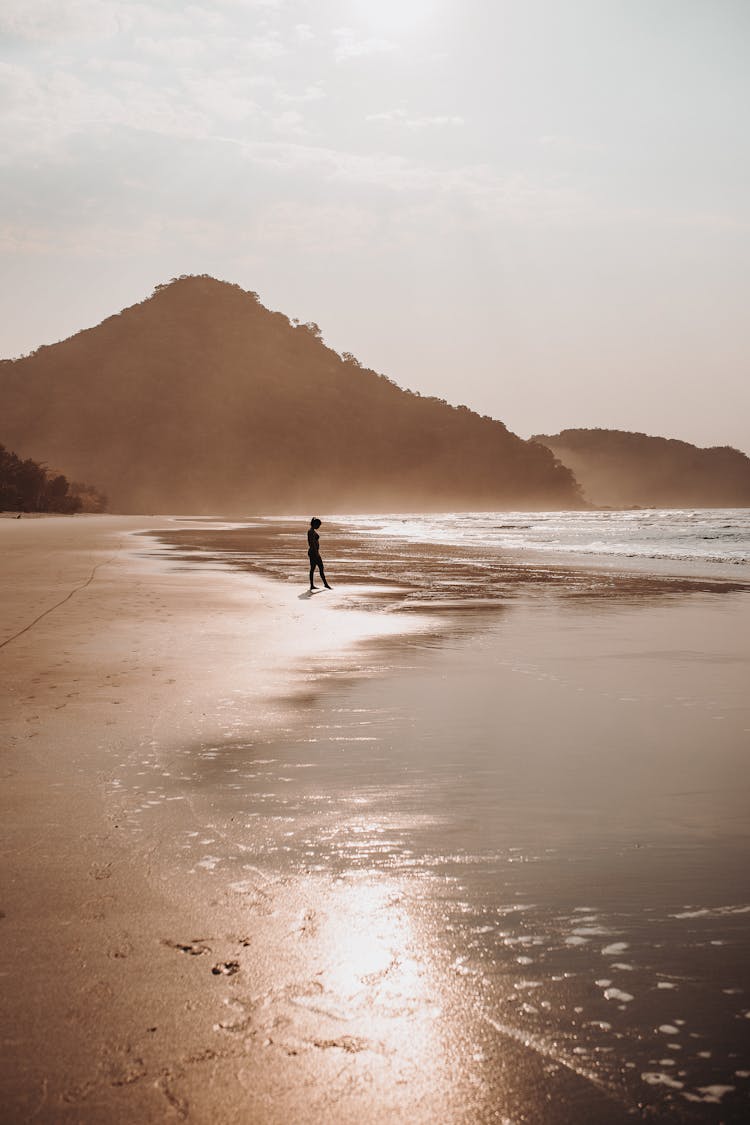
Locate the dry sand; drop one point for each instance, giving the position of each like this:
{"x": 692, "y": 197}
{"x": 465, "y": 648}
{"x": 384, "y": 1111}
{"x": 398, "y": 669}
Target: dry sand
{"x": 228, "y": 896}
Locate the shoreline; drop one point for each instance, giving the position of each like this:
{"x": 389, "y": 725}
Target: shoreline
{"x": 440, "y": 577}
{"x": 107, "y": 680}
{"x": 218, "y": 905}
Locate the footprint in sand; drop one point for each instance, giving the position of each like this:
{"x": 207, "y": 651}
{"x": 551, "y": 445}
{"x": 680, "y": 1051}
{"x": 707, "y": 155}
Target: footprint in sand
{"x": 125, "y": 1071}
{"x": 95, "y": 910}
{"x": 195, "y": 947}
{"x": 120, "y": 951}
{"x": 352, "y": 1044}
{"x": 226, "y": 968}
{"x": 309, "y": 924}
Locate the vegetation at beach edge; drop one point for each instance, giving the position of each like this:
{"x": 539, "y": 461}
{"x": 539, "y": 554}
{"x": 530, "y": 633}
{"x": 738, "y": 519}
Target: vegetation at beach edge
{"x": 28, "y": 486}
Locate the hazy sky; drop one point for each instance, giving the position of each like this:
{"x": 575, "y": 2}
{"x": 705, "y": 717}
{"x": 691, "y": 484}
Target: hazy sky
{"x": 540, "y": 208}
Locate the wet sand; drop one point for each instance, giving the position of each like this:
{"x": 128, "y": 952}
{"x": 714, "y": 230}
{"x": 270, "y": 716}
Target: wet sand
{"x": 449, "y": 848}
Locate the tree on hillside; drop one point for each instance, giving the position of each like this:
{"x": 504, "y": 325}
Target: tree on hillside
{"x": 92, "y": 500}
{"x": 26, "y": 486}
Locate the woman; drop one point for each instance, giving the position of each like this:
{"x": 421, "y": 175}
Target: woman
{"x": 312, "y": 549}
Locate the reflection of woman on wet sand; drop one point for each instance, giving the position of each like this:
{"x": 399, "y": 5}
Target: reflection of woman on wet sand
{"x": 312, "y": 549}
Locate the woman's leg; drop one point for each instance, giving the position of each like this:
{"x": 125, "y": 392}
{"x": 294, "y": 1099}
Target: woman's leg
{"x": 322, "y": 573}
{"x": 312, "y": 573}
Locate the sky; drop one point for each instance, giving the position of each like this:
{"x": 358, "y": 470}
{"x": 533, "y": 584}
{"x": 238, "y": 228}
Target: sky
{"x": 538, "y": 208}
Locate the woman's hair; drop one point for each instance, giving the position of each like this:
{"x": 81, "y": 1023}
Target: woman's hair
{"x": 315, "y": 522}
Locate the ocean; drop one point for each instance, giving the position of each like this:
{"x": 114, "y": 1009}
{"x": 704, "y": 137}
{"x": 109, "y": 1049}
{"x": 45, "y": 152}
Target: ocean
{"x": 716, "y": 537}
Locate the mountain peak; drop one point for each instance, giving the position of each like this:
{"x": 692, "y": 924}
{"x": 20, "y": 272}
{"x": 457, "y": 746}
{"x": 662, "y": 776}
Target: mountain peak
{"x": 201, "y": 399}
{"x": 201, "y": 284}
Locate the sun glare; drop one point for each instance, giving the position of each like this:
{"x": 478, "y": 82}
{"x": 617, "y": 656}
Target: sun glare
{"x": 376, "y": 969}
{"x": 371, "y": 940}
{"x": 394, "y": 17}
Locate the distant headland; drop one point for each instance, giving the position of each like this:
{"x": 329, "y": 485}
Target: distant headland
{"x": 619, "y": 469}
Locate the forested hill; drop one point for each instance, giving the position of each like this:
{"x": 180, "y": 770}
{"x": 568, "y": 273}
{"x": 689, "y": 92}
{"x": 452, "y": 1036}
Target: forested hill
{"x": 199, "y": 399}
{"x": 620, "y": 469}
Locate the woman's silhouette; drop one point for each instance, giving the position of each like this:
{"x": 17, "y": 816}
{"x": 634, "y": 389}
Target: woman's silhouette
{"x": 313, "y": 540}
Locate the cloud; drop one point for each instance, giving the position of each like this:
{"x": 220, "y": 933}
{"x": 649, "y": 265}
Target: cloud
{"x": 468, "y": 195}
{"x": 178, "y": 48}
{"x": 559, "y": 142}
{"x": 48, "y": 20}
{"x": 43, "y": 111}
{"x": 274, "y": 5}
{"x": 349, "y": 45}
{"x": 312, "y": 93}
{"x": 377, "y": 169}
{"x": 90, "y": 237}
{"x": 215, "y": 48}
{"x": 314, "y": 228}
{"x": 410, "y": 121}
{"x": 289, "y": 121}
{"x": 223, "y": 83}
{"x": 223, "y": 98}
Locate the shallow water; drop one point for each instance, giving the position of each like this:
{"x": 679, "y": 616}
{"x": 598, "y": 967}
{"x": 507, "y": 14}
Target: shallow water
{"x": 533, "y": 821}
{"x": 703, "y": 536}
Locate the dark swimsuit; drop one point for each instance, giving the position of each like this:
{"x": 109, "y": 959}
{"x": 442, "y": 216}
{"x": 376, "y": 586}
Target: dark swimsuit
{"x": 312, "y": 545}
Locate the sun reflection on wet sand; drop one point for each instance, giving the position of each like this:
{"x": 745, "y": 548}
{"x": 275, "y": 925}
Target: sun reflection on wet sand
{"x": 350, "y": 1009}
{"x": 374, "y": 965}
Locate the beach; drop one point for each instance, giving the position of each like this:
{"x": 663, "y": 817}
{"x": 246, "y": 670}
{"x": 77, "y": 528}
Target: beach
{"x": 456, "y": 843}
